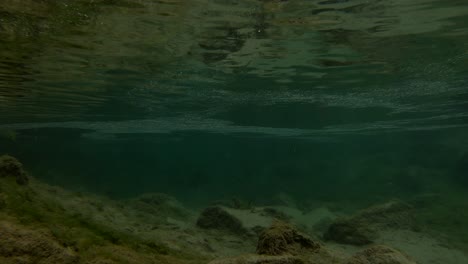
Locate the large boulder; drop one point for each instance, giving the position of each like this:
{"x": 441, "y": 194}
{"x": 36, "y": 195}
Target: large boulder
{"x": 363, "y": 227}
{"x": 380, "y": 255}
{"x": 11, "y": 167}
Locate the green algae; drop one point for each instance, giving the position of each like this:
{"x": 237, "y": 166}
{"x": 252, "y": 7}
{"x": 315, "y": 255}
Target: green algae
{"x": 26, "y": 206}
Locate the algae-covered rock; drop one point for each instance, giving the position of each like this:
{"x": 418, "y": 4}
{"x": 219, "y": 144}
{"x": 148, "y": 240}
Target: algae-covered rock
{"x": 216, "y": 217}
{"x": 259, "y": 259}
{"x": 380, "y": 255}
{"x": 21, "y": 245}
{"x": 362, "y": 228}
{"x": 282, "y": 238}
{"x": 11, "y": 167}
{"x": 281, "y": 243}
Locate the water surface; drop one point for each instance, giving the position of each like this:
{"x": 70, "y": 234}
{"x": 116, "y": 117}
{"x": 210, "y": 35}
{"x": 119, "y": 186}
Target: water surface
{"x": 356, "y": 101}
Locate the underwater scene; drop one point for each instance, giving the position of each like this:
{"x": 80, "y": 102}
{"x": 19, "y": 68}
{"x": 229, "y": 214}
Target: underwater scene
{"x": 233, "y": 132}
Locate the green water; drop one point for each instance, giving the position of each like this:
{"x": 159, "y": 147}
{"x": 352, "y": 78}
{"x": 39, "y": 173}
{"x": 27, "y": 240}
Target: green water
{"x": 346, "y": 101}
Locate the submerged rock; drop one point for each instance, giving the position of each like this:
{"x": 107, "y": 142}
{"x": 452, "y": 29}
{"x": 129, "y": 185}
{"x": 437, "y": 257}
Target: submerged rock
{"x": 282, "y": 238}
{"x": 11, "y": 167}
{"x": 380, "y": 255}
{"x": 19, "y": 245}
{"x": 216, "y": 217}
{"x": 362, "y": 228}
{"x": 281, "y": 243}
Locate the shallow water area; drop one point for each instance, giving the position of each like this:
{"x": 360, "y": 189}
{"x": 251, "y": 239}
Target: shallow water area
{"x": 190, "y": 131}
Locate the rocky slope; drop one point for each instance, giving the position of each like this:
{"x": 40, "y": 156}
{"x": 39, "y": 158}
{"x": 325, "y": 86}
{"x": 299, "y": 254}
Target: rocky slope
{"x": 40, "y": 223}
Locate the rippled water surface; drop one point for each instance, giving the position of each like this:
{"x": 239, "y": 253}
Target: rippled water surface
{"x": 205, "y": 99}
{"x": 245, "y": 64}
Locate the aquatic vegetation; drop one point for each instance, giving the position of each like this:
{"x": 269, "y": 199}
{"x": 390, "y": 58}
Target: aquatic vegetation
{"x": 85, "y": 228}
{"x": 31, "y": 218}
{"x": 20, "y": 244}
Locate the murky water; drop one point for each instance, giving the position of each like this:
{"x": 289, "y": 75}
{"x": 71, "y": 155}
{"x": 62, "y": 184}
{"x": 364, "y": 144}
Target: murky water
{"x": 345, "y": 101}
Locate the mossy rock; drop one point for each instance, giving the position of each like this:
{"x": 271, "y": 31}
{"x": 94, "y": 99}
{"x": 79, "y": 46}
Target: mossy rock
{"x": 11, "y": 167}
{"x": 282, "y": 238}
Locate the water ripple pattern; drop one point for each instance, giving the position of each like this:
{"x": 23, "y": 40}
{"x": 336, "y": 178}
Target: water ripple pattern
{"x": 293, "y": 66}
